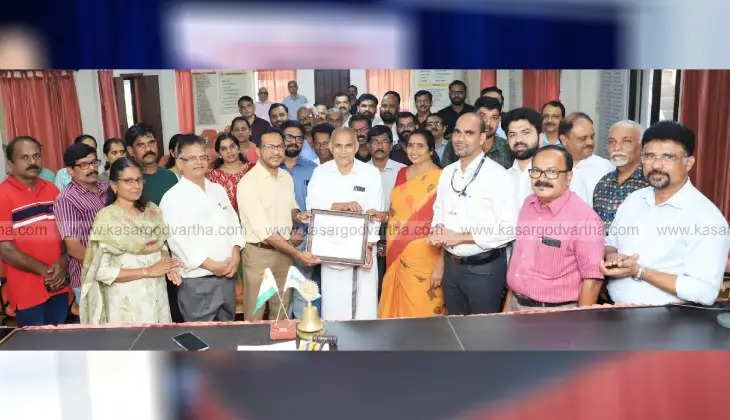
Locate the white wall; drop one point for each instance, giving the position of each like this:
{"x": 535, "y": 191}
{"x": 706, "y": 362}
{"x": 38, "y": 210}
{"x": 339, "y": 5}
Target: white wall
{"x": 87, "y": 90}
{"x": 305, "y": 80}
{"x": 359, "y": 79}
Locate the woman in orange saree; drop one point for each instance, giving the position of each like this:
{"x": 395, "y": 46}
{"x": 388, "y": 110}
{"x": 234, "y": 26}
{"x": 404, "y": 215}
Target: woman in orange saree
{"x": 411, "y": 261}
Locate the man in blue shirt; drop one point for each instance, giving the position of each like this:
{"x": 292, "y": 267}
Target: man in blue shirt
{"x": 294, "y": 100}
{"x": 552, "y": 113}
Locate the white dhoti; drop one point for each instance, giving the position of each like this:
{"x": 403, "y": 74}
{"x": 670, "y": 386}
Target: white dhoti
{"x": 337, "y": 298}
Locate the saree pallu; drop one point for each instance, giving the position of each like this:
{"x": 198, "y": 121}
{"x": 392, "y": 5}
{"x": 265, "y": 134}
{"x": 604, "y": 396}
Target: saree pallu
{"x": 410, "y": 259}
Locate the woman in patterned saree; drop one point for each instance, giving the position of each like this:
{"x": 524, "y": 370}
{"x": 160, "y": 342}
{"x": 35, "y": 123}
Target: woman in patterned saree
{"x": 412, "y": 264}
{"x": 123, "y": 277}
{"x": 230, "y": 167}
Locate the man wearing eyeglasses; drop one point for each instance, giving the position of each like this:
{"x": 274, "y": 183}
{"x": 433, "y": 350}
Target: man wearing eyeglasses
{"x": 77, "y": 205}
{"x": 30, "y": 246}
{"x": 668, "y": 242}
{"x": 578, "y": 136}
{"x": 305, "y": 116}
{"x": 559, "y": 242}
{"x": 474, "y": 218}
{"x": 361, "y": 124}
{"x": 205, "y": 235}
{"x": 435, "y": 124}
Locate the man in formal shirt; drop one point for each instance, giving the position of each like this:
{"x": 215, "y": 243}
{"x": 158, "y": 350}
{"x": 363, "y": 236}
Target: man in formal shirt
{"x": 496, "y": 93}
{"x": 142, "y": 146}
{"x": 205, "y": 235}
{"x": 305, "y": 117}
{"x": 552, "y": 113}
{"x": 423, "y": 100}
{"x": 278, "y": 113}
{"x": 263, "y": 105}
{"x": 346, "y": 184}
{"x": 31, "y": 248}
{"x": 389, "y": 109}
{"x": 457, "y": 96}
{"x": 474, "y": 218}
{"x": 361, "y": 124}
{"x": 335, "y": 117}
{"x": 248, "y": 111}
{"x": 496, "y": 147}
{"x": 380, "y": 143}
{"x": 268, "y": 208}
{"x": 367, "y": 105}
{"x": 77, "y": 205}
{"x": 343, "y": 102}
{"x": 560, "y": 241}
{"x": 294, "y": 100}
{"x": 435, "y": 124}
{"x": 668, "y": 242}
{"x": 352, "y": 95}
{"x": 578, "y": 137}
{"x": 321, "y": 135}
{"x": 523, "y": 127}
{"x": 624, "y": 150}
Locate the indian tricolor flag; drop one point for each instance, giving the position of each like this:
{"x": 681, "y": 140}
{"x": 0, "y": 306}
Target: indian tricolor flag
{"x": 267, "y": 290}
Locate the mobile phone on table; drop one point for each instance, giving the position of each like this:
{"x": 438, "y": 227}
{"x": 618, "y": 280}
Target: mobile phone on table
{"x": 190, "y": 342}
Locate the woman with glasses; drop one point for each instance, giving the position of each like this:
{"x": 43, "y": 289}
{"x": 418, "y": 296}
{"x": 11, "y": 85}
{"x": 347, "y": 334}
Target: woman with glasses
{"x": 411, "y": 261}
{"x": 125, "y": 265}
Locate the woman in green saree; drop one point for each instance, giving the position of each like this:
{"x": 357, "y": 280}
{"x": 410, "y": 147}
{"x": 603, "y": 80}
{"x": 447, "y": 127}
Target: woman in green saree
{"x": 123, "y": 277}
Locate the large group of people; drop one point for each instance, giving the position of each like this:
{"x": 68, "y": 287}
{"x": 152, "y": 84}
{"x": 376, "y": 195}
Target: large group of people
{"x": 472, "y": 209}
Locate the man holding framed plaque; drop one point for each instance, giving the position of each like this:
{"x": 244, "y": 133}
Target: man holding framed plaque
{"x": 341, "y": 195}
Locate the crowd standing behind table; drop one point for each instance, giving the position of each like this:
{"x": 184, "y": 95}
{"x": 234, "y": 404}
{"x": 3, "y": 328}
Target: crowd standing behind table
{"x": 654, "y": 238}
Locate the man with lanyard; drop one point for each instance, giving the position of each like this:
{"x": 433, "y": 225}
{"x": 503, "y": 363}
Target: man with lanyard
{"x": 474, "y": 219}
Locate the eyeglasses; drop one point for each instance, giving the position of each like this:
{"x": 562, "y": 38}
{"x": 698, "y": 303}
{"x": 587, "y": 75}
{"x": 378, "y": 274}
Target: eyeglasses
{"x": 434, "y": 123}
{"x": 549, "y": 173}
{"x": 130, "y": 182}
{"x": 663, "y": 158}
{"x": 198, "y": 158}
{"x": 28, "y": 158}
{"x": 272, "y": 147}
{"x": 293, "y": 138}
{"x": 85, "y": 165}
{"x": 362, "y": 130}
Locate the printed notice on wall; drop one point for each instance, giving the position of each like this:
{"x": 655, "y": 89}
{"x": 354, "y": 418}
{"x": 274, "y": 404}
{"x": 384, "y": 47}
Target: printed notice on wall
{"x": 612, "y": 104}
{"x": 205, "y": 96}
{"x": 232, "y": 85}
{"x": 436, "y": 82}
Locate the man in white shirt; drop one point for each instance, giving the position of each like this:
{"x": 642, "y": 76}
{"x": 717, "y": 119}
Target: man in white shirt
{"x": 668, "y": 242}
{"x": 389, "y": 109}
{"x": 294, "y": 100}
{"x": 474, "y": 219}
{"x": 205, "y": 235}
{"x": 578, "y": 137}
{"x": 263, "y": 105}
{"x": 346, "y": 184}
{"x": 523, "y": 127}
{"x": 380, "y": 143}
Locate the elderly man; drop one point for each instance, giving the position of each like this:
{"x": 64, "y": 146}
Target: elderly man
{"x": 578, "y": 137}
{"x": 559, "y": 242}
{"x": 31, "y": 247}
{"x": 668, "y": 242}
{"x": 474, "y": 217}
{"x": 335, "y": 117}
{"x": 294, "y": 100}
{"x": 346, "y": 184}
{"x": 306, "y": 118}
{"x": 624, "y": 150}
{"x": 263, "y": 105}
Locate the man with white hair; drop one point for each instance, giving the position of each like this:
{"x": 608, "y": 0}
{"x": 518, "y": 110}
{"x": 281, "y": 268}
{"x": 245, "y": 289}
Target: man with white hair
{"x": 335, "y": 117}
{"x": 624, "y": 151}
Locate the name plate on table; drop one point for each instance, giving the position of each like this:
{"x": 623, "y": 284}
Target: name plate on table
{"x": 338, "y": 236}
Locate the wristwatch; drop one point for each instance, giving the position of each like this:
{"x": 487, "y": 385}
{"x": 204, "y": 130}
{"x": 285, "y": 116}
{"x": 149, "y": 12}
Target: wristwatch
{"x": 640, "y": 274}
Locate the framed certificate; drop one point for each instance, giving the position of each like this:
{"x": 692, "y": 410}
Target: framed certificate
{"x": 338, "y": 236}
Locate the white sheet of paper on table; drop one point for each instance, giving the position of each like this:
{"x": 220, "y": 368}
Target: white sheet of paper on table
{"x": 283, "y": 346}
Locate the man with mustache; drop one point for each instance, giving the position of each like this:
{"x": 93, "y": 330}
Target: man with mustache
{"x": 367, "y": 104}
{"x": 294, "y": 100}
{"x": 496, "y": 93}
{"x": 668, "y": 243}
{"x": 389, "y": 109}
{"x": 352, "y": 95}
{"x": 380, "y": 143}
{"x": 523, "y": 126}
{"x": 278, "y": 113}
{"x": 423, "y": 100}
{"x": 321, "y": 136}
{"x": 263, "y": 105}
{"x": 405, "y": 125}
{"x": 346, "y": 184}
{"x": 77, "y": 205}
{"x": 578, "y": 137}
{"x": 474, "y": 218}
{"x": 335, "y": 117}
{"x": 559, "y": 242}
{"x": 552, "y": 113}
{"x": 361, "y": 124}
{"x": 457, "y": 96}
{"x": 305, "y": 116}
{"x": 142, "y": 146}
{"x": 31, "y": 248}
{"x": 205, "y": 235}
{"x": 343, "y": 103}
{"x": 624, "y": 150}
{"x": 435, "y": 124}
{"x": 248, "y": 111}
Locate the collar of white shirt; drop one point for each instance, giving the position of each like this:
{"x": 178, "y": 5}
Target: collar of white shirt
{"x": 516, "y": 167}
{"x": 472, "y": 165}
{"x": 188, "y": 184}
{"x": 681, "y": 199}
{"x": 390, "y": 165}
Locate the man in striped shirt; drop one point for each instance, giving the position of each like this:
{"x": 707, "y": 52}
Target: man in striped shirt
{"x": 30, "y": 246}
{"x": 77, "y": 205}
{"x": 559, "y": 244}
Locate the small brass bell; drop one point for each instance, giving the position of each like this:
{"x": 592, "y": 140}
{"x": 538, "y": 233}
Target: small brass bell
{"x": 310, "y": 324}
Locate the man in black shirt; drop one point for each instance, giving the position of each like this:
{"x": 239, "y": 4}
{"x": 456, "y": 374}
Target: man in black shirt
{"x": 457, "y": 96}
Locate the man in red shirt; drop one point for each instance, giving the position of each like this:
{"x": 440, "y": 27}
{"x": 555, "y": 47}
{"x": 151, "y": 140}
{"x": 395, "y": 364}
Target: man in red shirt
{"x": 558, "y": 250}
{"x": 30, "y": 245}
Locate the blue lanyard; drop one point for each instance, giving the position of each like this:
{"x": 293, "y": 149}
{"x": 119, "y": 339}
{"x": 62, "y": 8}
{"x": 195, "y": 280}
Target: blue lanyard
{"x": 462, "y": 193}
